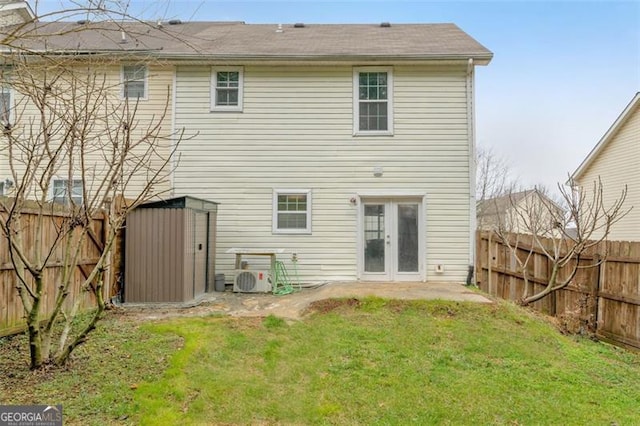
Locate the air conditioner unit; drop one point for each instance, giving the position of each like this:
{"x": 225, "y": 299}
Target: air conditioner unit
{"x": 248, "y": 281}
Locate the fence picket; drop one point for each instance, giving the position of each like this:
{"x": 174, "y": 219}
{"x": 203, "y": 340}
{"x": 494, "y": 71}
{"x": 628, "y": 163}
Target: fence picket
{"x": 607, "y": 296}
{"x": 11, "y": 311}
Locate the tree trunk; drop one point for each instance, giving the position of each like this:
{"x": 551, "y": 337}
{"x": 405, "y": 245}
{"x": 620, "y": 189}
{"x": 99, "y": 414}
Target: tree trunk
{"x": 547, "y": 290}
{"x": 63, "y": 355}
{"x": 35, "y": 341}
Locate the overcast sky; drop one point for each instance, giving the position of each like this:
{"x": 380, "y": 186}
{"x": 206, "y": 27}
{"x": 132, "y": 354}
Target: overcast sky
{"x": 562, "y": 71}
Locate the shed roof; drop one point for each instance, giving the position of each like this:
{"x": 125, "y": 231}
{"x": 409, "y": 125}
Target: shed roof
{"x": 184, "y": 202}
{"x": 231, "y": 40}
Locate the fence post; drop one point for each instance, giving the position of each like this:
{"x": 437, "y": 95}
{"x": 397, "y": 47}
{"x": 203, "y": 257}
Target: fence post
{"x": 595, "y": 290}
{"x": 489, "y": 272}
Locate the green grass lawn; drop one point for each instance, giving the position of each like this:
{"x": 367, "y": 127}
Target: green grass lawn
{"x": 352, "y": 362}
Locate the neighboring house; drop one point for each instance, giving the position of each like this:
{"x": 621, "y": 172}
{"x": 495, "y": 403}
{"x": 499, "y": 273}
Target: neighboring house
{"x": 350, "y": 146}
{"x": 131, "y": 74}
{"x": 615, "y": 161}
{"x": 525, "y": 212}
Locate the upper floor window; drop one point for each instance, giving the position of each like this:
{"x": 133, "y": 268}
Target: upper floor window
{"x": 292, "y": 211}
{"x": 226, "y": 88}
{"x": 373, "y": 106}
{"x": 134, "y": 81}
{"x": 65, "y": 191}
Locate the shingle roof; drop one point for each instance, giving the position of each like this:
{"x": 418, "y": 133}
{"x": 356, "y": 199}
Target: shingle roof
{"x": 240, "y": 40}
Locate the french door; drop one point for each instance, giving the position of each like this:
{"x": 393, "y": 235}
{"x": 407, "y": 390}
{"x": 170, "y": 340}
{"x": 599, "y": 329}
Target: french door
{"x": 391, "y": 240}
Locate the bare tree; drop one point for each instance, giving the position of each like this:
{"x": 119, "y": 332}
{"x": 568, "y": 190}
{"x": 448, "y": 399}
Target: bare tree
{"x": 73, "y": 147}
{"x": 70, "y": 124}
{"x": 494, "y": 177}
{"x": 562, "y": 236}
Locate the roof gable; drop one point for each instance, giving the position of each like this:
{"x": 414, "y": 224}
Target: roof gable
{"x": 631, "y": 108}
{"x": 500, "y": 205}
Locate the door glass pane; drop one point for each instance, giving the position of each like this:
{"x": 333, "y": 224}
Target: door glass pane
{"x": 408, "y": 238}
{"x": 374, "y": 235}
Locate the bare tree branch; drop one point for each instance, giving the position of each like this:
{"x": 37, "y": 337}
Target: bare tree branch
{"x": 563, "y": 231}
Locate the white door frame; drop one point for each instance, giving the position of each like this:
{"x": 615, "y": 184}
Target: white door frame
{"x": 392, "y": 201}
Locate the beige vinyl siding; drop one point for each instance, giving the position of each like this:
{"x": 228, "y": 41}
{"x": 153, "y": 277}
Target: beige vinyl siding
{"x": 617, "y": 165}
{"x": 150, "y": 110}
{"x": 296, "y": 132}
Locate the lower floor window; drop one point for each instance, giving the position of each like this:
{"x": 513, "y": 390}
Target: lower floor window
{"x": 65, "y": 191}
{"x": 292, "y": 211}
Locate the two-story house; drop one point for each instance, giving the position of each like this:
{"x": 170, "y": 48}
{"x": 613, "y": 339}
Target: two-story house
{"x": 614, "y": 162}
{"x": 350, "y": 146}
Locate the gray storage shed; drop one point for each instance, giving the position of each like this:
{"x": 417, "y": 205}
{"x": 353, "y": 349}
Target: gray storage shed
{"x": 170, "y": 250}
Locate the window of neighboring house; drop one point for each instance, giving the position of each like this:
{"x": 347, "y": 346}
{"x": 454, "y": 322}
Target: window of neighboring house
{"x": 292, "y": 211}
{"x": 5, "y": 105}
{"x": 6, "y": 96}
{"x": 226, "y": 89}
{"x": 134, "y": 81}
{"x": 1, "y": 188}
{"x": 61, "y": 189}
{"x": 373, "y": 95}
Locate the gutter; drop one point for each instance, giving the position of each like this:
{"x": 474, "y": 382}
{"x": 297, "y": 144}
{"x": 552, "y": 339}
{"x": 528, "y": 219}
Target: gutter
{"x": 160, "y": 53}
{"x": 174, "y": 136}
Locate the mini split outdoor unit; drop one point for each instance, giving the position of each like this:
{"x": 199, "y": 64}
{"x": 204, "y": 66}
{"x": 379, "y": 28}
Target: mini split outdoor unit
{"x": 248, "y": 281}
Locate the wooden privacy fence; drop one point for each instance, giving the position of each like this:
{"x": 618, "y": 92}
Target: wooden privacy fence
{"x": 605, "y": 297}
{"x": 12, "y": 314}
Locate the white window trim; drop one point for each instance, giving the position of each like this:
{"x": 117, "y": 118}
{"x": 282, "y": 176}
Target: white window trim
{"x": 11, "y": 115}
{"x": 356, "y": 102}
{"x": 12, "y": 110}
{"x": 213, "y": 84}
{"x": 274, "y": 220}
{"x": 146, "y": 82}
{"x": 51, "y": 197}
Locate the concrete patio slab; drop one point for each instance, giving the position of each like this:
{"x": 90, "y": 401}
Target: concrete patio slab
{"x": 293, "y": 306}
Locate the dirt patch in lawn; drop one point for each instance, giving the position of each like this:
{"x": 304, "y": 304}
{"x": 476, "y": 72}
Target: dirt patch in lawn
{"x": 329, "y": 305}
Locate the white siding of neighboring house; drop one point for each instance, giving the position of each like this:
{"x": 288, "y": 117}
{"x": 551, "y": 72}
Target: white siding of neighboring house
{"x": 13, "y": 14}
{"x": 151, "y": 110}
{"x": 10, "y": 18}
{"x": 296, "y": 132}
{"x": 618, "y": 164}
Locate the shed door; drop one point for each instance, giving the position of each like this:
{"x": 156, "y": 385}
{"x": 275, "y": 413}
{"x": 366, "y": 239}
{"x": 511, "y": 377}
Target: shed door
{"x": 200, "y": 239}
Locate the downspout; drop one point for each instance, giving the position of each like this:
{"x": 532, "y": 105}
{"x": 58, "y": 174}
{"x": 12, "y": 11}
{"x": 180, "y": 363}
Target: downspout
{"x": 174, "y": 136}
{"x": 472, "y": 171}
